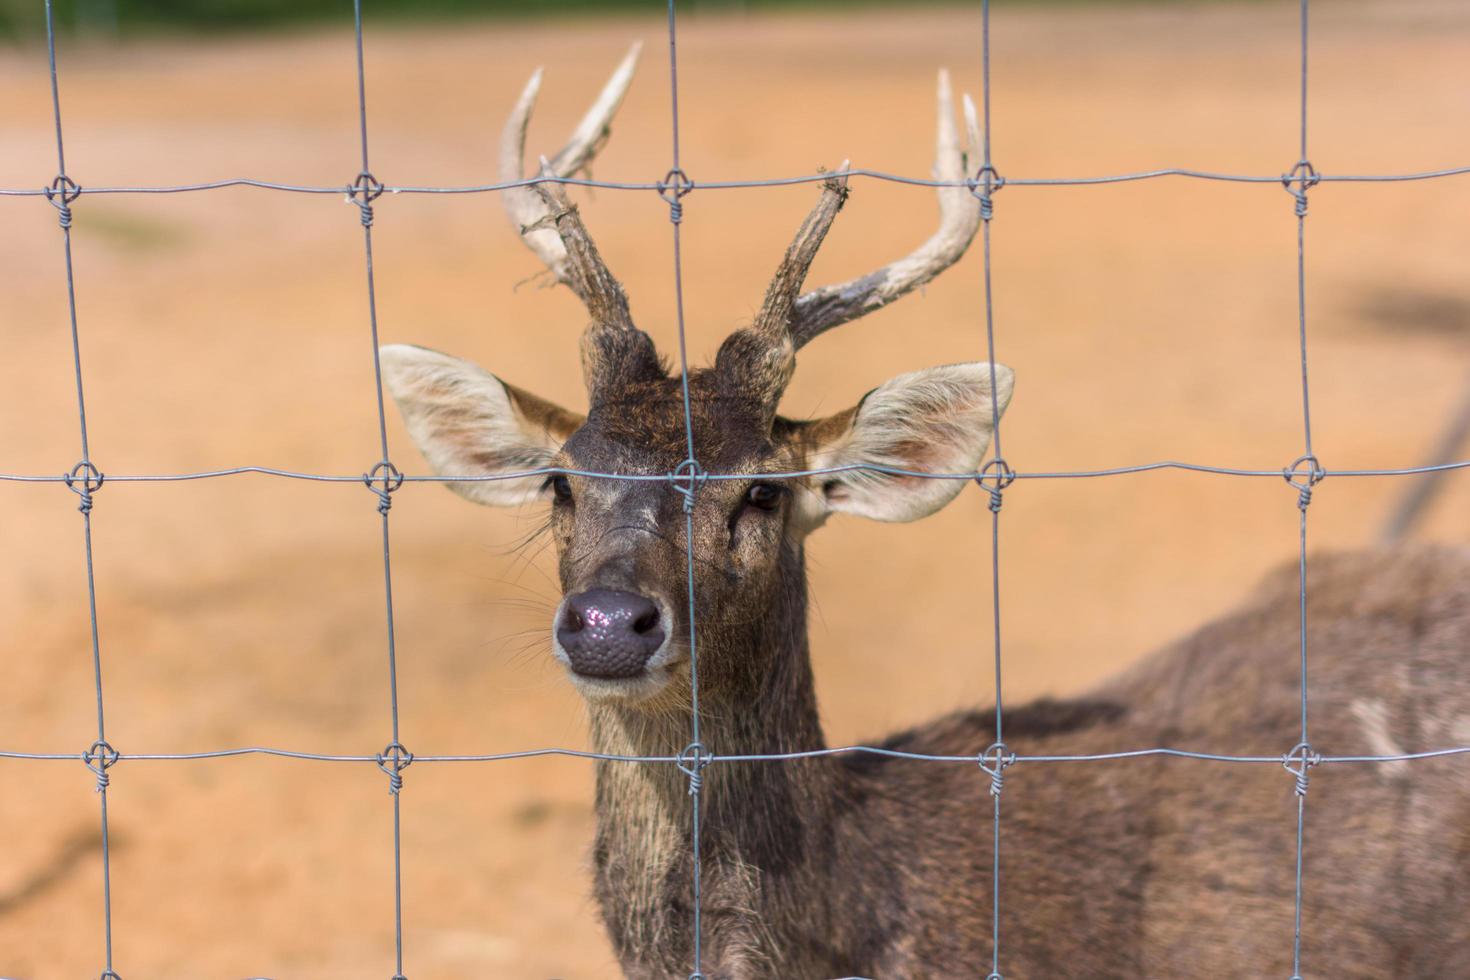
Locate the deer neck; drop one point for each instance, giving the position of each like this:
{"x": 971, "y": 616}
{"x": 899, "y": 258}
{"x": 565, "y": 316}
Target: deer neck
{"x": 756, "y": 695}
{"x": 754, "y": 814}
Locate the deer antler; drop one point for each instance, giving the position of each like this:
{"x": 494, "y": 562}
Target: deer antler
{"x": 760, "y": 359}
{"x": 526, "y": 209}
{"x": 959, "y": 218}
{"x": 613, "y": 348}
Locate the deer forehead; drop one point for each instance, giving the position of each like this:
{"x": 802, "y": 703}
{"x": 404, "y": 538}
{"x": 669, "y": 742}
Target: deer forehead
{"x": 644, "y": 430}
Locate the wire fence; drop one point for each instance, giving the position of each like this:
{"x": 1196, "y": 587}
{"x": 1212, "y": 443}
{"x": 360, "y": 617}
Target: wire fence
{"x": 1303, "y": 475}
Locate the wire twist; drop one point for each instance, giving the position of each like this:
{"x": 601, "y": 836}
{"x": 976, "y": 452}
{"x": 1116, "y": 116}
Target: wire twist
{"x": 62, "y": 191}
{"x": 693, "y": 477}
{"x": 84, "y": 480}
{"x": 1301, "y": 178}
{"x": 99, "y": 758}
{"x": 1303, "y": 474}
{"x": 993, "y": 762}
{"x": 986, "y": 182}
{"x": 999, "y": 472}
{"x": 393, "y": 760}
{"x": 691, "y": 762}
{"x": 363, "y": 191}
{"x": 1302, "y": 757}
{"x": 383, "y": 479}
{"x": 672, "y": 189}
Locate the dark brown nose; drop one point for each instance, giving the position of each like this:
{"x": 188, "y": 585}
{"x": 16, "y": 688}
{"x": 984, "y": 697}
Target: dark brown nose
{"x": 607, "y": 633}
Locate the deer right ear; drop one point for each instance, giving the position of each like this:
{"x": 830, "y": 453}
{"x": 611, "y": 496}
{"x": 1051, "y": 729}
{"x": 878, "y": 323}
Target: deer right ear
{"x": 934, "y": 421}
{"x": 467, "y": 422}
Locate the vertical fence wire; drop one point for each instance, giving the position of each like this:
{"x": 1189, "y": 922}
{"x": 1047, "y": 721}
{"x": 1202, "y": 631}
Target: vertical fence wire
{"x": 997, "y": 757}
{"x": 84, "y": 479}
{"x": 383, "y": 479}
{"x": 1307, "y": 473}
{"x": 694, "y": 757}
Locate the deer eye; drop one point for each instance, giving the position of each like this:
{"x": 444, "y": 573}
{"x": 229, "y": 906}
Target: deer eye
{"x": 561, "y": 488}
{"x": 765, "y": 496}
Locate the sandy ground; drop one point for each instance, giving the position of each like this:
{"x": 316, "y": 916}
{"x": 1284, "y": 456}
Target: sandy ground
{"x": 1145, "y": 321}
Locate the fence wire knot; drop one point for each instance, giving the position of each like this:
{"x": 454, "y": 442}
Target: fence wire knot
{"x": 672, "y": 188}
{"x": 986, "y": 182}
{"x": 1299, "y": 762}
{"x": 691, "y": 762}
{"x": 382, "y": 480}
{"x": 993, "y": 762}
{"x": 99, "y": 758}
{"x": 1303, "y": 474}
{"x": 1304, "y": 176}
{"x": 84, "y": 480}
{"x": 62, "y": 191}
{"x": 692, "y": 477}
{"x": 1000, "y": 475}
{"x": 363, "y": 191}
{"x": 393, "y": 760}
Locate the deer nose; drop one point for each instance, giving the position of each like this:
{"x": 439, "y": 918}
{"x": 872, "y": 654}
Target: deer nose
{"x": 609, "y": 633}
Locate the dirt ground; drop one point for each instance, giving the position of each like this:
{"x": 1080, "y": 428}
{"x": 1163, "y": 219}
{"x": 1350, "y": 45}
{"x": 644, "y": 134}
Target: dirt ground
{"x": 1145, "y": 321}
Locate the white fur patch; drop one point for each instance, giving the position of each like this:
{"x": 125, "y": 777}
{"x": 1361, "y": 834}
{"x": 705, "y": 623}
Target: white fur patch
{"x": 464, "y": 422}
{"x": 934, "y": 421}
{"x": 1372, "y": 714}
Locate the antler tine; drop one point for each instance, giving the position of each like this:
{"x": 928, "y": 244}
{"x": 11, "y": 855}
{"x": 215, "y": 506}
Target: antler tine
{"x": 583, "y": 270}
{"x": 780, "y": 303}
{"x": 959, "y": 219}
{"x": 529, "y": 210}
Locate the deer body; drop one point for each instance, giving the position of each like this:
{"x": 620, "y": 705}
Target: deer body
{"x": 867, "y": 866}
{"x": 873, "y": 866}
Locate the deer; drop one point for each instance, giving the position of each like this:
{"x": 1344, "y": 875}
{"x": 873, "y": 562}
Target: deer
{"x": 862, "y": 864}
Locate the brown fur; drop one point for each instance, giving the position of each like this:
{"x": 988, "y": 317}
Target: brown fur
{"x": 1154, "y": 867}
{"x": 1142, "y": 868}
{"x": 881, "y": 867}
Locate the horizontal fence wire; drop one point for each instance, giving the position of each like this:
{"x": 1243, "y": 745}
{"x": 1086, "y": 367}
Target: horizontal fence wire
{"x": 658, "y": 186}
{"x": 678, "y": 479}
{"x": 86, "y": 479}
{"x": 713, "y": 757}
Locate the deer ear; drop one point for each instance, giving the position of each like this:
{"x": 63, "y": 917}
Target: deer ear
{"x": 467, "y": 422}
{"x": 934, "y": 421}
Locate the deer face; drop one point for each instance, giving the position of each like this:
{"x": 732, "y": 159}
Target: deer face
{"x": 622, "y": 628}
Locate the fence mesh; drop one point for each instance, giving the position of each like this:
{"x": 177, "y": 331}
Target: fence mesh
{"x": 1303, "y": 475}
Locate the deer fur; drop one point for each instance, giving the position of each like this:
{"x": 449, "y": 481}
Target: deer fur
{"x": 865, "y": 865}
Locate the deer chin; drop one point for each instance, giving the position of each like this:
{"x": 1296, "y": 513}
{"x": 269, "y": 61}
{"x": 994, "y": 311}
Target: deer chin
{"x": 641, "y": 689}
{"x": 659, "y": 679}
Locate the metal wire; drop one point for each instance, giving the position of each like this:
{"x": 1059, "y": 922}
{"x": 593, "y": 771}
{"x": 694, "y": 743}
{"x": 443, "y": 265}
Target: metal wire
{"x": 100, "y": 756}
{"x": 998, "y": 753}
{"x": 745, "y": 183}
{"x": 680, "y": 478}
{"x": 1305, "y": 474}
{"x": 711, "y": 758}
{"x": 384, "y": 479}
{"x": 694, "y": 757}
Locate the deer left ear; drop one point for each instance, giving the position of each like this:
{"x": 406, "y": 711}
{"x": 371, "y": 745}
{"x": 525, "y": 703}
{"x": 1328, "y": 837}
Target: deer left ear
{"x": 467, "y": 422}
{"x": 934, "y": 421}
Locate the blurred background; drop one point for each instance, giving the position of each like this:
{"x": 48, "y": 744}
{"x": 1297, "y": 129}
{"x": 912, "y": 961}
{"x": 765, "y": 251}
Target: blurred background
{"x": 1145, "y": 321}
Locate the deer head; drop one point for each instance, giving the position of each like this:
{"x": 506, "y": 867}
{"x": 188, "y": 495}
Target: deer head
{"x": 621, "y": 628}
